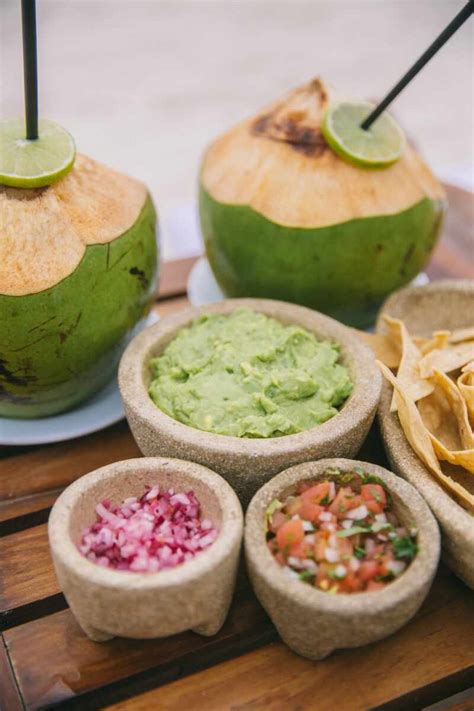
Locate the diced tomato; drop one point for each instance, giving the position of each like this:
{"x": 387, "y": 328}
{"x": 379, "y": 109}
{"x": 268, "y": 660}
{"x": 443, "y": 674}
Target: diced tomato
{"x": 290, "y": 534}
{"x": 345, "y": 501}
{"x": 320, "y": 545}
{"x": 367, "y": 557}
{"x": 310, "y": 511}
{"x": 323, "y": 580}
{"x": 302, "y": 550}
{"x": 384, "y": 562}
{"x": 351, "y": 583}
{"x": 375, "y": 585}
{"x": 373, "y": 506}
{"x": 293, "y": 507}
{"x": 318, "y": 493}
{"x": 368, "y": 570}
{"x": 345, "y": 548}
{"x": 374, "y": 497}
{"x": 277, "y": 520}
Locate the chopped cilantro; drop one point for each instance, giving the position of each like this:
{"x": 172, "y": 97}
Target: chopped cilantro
{"x": 325, "y": 500}
{"x": 376, "y": 494}
{"x": 344, "y": 533}
{"x": 405, "y": 547}
{"x": 359, "y": 552}
{"x": 306, "y": 575}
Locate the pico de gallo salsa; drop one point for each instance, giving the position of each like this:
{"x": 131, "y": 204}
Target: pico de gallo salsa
{"x": 340, "y": 534}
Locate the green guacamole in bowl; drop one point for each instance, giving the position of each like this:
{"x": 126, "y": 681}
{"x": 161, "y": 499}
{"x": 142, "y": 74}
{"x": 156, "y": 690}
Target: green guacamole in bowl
{"x": 247, "y": 375}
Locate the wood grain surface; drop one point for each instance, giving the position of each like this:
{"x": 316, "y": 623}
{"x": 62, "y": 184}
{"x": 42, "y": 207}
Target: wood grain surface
{"x": 45, "y": 659}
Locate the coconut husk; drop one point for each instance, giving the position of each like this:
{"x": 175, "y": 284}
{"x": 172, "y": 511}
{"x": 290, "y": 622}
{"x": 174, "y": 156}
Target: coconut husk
{"x": 44, "y": 232}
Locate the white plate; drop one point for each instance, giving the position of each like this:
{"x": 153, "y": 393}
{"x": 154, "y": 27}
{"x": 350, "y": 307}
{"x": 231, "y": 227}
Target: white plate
{"x": 204, "y": 289}
{"x": 102, "y": 410}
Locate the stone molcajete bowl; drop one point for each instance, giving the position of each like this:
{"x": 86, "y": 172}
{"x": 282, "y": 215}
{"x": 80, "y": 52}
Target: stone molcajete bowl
{"x": 195, "y": 595}
{"x": 424, "y": 309}
{"x": 314, "y": 623}
{"x": 248, "y": 463}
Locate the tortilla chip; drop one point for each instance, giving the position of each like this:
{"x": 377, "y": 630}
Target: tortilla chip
{"x": 446, "y": 359}
{"x": 383, "y": 347}
{"x": 462, "y": 334}
{"x": 420, "y": 440}
{"x": 458, "y": 408}
{"x": 419, "y": 341}
{"x": 439, "y": 339}
{"x": 438, "y": 419}
{"x": 408, "y": 373}
{"x": 463, "y": 458}
{"x": 465, "y": 383}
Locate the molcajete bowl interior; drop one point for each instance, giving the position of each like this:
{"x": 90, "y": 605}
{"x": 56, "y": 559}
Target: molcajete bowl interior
{"x": 312, "y": 622}
{"x": 247, "y": 463}
{"x": 194, "y": 595}
{"x": 446, "y": 304}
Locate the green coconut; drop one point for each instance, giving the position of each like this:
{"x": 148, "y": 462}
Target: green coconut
{"x": 78, "y": 268}
{"x": 284, "y": 217}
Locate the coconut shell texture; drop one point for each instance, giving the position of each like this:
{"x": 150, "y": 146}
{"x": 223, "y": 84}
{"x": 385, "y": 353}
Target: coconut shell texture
{"x": 284, "y": 217}
{"x": 78, "y": 267}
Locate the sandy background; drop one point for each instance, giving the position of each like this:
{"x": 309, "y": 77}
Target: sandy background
{"x": 144, "y": 85}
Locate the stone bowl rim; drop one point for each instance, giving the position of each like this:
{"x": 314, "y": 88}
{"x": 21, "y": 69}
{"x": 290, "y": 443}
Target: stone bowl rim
{"x": 65, "y": 551}
{"x": 416, "y": 576}
{"x": 364, "y": 398}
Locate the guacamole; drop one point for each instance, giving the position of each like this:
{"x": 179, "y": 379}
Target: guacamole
{"x": 248, "y": 375}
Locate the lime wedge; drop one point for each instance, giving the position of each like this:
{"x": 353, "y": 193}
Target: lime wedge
{"x": 34, "y": 164}
{"x": 378, "y": 147}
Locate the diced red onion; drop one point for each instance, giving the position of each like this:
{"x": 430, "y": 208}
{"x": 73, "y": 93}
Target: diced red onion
{"x": 147, "y": 534}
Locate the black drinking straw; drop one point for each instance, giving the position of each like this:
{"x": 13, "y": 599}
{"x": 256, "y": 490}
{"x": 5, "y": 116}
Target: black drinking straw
{"x": 454, "y": 25}
{"x": 30, "y": 67}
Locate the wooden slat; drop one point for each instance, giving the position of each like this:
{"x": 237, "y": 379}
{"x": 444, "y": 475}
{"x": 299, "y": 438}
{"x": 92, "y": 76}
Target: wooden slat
{"x": 53, "y": 660}
{"x": 436, "y": 645}
{"x": 17, "y": 508}
{"x": 57, "y": 465}
{"x": 27, "y": 570}
{"x": 10, "y": 699}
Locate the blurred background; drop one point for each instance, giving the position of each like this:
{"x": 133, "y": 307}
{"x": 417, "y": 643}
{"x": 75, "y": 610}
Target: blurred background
{"x": 144, "y": 85}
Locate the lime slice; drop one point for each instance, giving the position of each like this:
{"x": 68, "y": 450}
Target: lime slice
{"x": 378, "y": 147}
{"x": 34, "y": 164}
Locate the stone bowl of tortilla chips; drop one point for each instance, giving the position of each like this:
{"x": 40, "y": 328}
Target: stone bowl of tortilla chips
{"x": 424, "y": 342}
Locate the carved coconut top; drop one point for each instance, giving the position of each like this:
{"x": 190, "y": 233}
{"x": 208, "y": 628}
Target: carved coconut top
{"x": 44, "y": 232}
{"x": 278, "y": 163}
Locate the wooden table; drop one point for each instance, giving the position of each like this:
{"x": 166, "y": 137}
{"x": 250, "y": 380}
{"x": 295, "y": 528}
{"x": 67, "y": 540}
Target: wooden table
{"x": 45, "y": 659}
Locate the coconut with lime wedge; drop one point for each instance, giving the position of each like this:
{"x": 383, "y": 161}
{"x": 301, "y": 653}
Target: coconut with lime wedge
{"x": 300, "y": 204}
{"x": 78, "y": 268}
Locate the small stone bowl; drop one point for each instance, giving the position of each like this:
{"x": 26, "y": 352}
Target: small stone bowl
{"x": 248, "y": 463}
{"x": 314, "y": 623}
{"x": 195, "y": 595}
{"x": 446, "y": 304}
